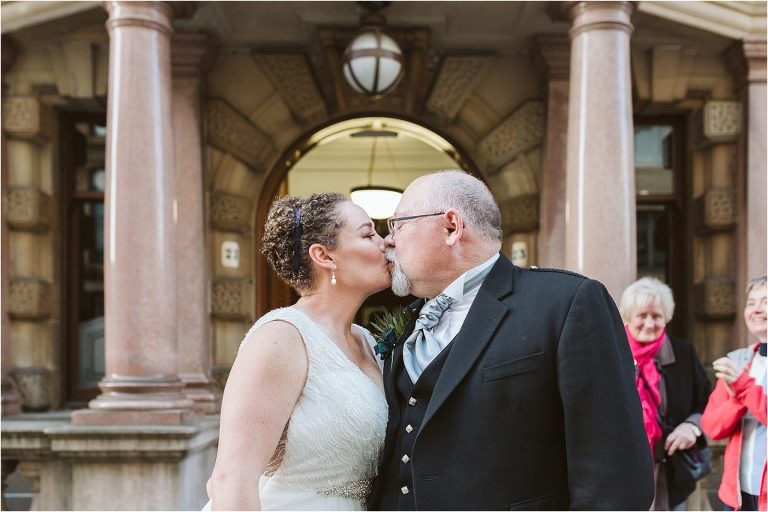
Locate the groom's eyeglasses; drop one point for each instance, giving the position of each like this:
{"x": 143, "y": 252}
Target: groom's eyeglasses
{"x": 394, "y": 223}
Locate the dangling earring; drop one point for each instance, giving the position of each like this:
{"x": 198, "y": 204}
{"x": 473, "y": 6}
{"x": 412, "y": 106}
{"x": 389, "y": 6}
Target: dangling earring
{"x": 333, "y": 277}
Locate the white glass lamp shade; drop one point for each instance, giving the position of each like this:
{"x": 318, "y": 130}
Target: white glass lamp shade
{"x": 373, "y": 62}
{"x": 378, "y": 202}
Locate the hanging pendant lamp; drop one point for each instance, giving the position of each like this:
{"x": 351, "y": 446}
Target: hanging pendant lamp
{"x": 373, "y": 61}
{"x": 379, "y": 202}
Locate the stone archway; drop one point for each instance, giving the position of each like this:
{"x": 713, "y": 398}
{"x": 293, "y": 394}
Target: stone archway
{"x": 270, "y": 291}
{"x": 254, "y": 134}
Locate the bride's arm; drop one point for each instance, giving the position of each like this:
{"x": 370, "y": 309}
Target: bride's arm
{"x": 262, "y": 389}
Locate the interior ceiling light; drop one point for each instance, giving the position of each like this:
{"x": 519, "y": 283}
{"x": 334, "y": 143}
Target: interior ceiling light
{"x": 379, "y": 202}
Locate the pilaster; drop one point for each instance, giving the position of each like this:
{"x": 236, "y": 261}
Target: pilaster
{"x": 552, "y": 56}
{"x": 191, "y": 55}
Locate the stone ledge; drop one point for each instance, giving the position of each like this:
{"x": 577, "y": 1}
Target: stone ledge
{"x": 37, "y": 437}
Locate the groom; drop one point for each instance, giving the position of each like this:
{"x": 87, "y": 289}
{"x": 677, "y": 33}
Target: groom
{"x": 513, "y": 389}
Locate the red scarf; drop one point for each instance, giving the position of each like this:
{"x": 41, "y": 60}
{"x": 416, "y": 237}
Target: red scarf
{"x": 647, "y": 383}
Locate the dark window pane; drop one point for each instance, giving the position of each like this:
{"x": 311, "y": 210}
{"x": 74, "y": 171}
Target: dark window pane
{"x": 652, "y": 241}
{"x": 91, "y": 304}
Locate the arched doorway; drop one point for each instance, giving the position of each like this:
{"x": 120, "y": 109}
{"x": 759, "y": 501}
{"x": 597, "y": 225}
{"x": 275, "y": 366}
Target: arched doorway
{"x": 336, "y": 158}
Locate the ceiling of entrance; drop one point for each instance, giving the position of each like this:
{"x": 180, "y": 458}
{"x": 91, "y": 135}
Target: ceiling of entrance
{"x": 503, "y": 27}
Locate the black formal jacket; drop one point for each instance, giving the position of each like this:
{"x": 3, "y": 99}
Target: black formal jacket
{"x": 536, "y": 406}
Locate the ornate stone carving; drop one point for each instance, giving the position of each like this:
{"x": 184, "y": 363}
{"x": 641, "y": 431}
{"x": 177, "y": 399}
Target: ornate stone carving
{"x": 520, "y": 214}
{"x": 291, "y": 75}
{"x": 34, "y": 385}
{"x": 228, "y": 299}
{"x": 716, "y": 210}
{"x": 29, "y": 209}
{"x": 230, "y": 131}
{"x": 457, "y": 78}
{"x": 23, "y": 117}
{"x": 519, "y": 132}
{"x": 721, "y": 120}
{"x": 230, "y": 212}
{"x": 29, "y": 298}
{"x": 715, "y": 298}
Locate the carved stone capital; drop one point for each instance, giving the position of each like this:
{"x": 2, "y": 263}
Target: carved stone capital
{"x": 456, "y": 80}
{"x": 291, "y": 74}
{"x": 715, "y": 298}
{"x": 230, "y": 131}
{"x": 29, "y": 209}
{"x": 34, "y": 385}
{"x": 229, "y": 299}
{"x": 519, "y": 132}
{"x": 520, "y": 214}
{"x": 152, "y": 15}
{"x": 29, "y": 298}
{"x": 230, "y": 212}
{"x": 715, "y": 210}
{"x": 192, "y": 53}
{"x": 24, "y": 117}
{"x": 746, "y": 60}
{"x": 552, "y": 56}
{"x": 586, "y": 16}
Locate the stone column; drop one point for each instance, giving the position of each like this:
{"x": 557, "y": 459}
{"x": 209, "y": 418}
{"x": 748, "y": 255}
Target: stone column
{"x": 747, "y": 62}
{"x": 191, "y": 54}
{"x": 141, "y": 383}
{"x": 600, "y": 189}
{"x": 552, "y": 56}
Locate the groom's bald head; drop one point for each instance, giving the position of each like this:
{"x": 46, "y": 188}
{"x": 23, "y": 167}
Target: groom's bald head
{"x": 454, "y": 188}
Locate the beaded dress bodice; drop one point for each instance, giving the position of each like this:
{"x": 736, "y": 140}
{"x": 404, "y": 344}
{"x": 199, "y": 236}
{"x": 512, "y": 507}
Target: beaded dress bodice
{"x": 336, "y": 431}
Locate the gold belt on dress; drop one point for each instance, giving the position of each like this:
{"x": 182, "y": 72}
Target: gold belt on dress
{"x": 357, "y": 490}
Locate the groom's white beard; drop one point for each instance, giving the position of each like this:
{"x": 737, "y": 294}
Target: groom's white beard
{"x": 401, "y": 285}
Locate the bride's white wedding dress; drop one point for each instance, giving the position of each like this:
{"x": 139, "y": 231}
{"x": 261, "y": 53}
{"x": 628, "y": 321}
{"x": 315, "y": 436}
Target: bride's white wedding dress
{"x": 330, "y": 450}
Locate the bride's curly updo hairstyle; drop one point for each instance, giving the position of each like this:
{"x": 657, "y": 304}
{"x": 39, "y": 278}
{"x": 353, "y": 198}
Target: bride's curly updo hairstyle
{"x": 293, "y": 225}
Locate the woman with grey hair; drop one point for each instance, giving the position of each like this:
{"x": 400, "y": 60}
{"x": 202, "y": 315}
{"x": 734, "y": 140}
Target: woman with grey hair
{"x": 671, "y": 382}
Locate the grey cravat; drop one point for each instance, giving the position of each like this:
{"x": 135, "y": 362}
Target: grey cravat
{"x": 422, "y": 347}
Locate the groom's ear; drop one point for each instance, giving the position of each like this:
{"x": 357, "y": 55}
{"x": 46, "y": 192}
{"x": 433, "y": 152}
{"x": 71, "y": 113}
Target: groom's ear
{"x": 320, "y": 255}
{"x": 454, "y": 226}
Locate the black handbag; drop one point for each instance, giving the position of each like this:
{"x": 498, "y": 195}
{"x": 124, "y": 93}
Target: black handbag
{"x": 692, "y": 464}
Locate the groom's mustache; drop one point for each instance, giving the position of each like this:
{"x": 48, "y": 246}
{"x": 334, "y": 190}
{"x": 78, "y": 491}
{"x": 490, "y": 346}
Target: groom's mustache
{"x": 391, "y": 256}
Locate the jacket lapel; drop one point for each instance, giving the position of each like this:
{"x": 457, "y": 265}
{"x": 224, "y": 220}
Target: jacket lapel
{"x": 484, "y": 316}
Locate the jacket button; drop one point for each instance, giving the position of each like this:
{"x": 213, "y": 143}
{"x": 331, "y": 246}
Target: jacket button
{"x": 405, "y": 459}
{"x": 404, "y": 489}
{"x": 409, "y": 429}
{"x": 412, "y": 401}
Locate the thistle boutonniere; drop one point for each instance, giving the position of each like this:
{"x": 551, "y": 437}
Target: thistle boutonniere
{"x": 388, "y": 328}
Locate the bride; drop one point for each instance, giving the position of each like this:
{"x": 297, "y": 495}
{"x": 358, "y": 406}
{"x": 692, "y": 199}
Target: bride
{"x": 303, "y": 415}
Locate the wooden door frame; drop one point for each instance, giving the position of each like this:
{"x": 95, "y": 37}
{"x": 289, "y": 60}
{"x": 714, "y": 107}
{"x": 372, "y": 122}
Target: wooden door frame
{"x": 72, "y": 395}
